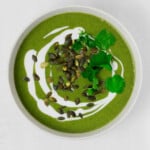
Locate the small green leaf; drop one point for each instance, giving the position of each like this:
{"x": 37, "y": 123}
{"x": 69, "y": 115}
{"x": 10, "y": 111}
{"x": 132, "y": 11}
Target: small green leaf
{"x": 101, "y": 59}
{"x": 89, "y": 73}
{"x": 95, "y": 83}
{"x": 104, "y": 40}
{"x": 115, "y": 84}
{"x": 107, "y": 66}
{"x": 90, "y": 91}
{"x": 91, "y": 43}
{"x": 77, "y": 45}
{"x": 83, "y": 37}
{"x": 87, "y": 40}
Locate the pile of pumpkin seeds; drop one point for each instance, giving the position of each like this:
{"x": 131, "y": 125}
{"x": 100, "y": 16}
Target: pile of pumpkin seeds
{"x": 72, "y": 64}
{"x": 85, "y": 56}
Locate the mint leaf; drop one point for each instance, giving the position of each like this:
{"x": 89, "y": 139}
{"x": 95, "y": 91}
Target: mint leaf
{"x": 115, "y": 84}
{"x": 101, "y": 59}
{"x": 104, "y": 40}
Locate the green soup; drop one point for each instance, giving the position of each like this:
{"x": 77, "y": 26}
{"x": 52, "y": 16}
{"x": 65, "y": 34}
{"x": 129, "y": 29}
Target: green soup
{"x": 34, "y": 92}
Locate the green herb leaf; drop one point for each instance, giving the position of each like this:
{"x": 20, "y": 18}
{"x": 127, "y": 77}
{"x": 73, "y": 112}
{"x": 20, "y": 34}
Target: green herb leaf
{"x": 90, "y": 91}
{"x": 89, "y": 73}
{"x": 95, "y": 83}
{"x": 101, "y": 59}
{"x": 87, "y": 40}
{"x": 104, "y": 40}
{"x": 115, "y": 84}
{"x": 90, "y": 43}
{"x": 77, "y": 45}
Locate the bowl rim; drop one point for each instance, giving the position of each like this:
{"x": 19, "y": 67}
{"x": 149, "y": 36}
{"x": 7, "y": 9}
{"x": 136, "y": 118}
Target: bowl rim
{"x": 133, "y": 49}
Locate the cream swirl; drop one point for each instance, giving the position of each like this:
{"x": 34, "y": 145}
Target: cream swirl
{"x": 49, "y": 110}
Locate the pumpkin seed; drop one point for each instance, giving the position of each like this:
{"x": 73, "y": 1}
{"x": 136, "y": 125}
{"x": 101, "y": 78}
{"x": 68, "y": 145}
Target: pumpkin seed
{"x": 61, "y": 80}
{"x": 77, "y": 101}
{"x": 27, "y": 79}
{"x": 60, "y": 110}
{"x": 56, "y": 46}
{"x": 88, "y": 60}
{"x": 82, "y": 61}
{"x": 36, "y": 77}
{"x": 68, "y": 75}
{"x": 73, "y": 78}
{"x": 94, "y": 50}
{"x": 55, "y": 87}
{"x": 46, "y": 102}
{"x": 61, "y": 118}
{"x": 81, "y": 68}
{"x": 76, "y": 63}
{"x": 64, "y": 68}
{"x": 84, "y": 49}
{"x": 90, "y": 104}
{"x": 80, "y": 115}
{"x": 84, "y": 94}
{"x": 68, "y": 36}
{"x": 73, "y": 114}
{"x": 70, "y": 63}
{"x": 52, "y": 56}
{"x": 59, "y": 61}
{"x": 49, "y": 80}
{"x": 48, "y": 94}
{"x": 79, "y": 56}
{"x": 68, "y": 84}
{"x": 34, "y": 58}
{"x": 75, "y": 86}
{"x": 60, "y": 86}
{"x": 44, "y": 64}
{"x": 91, "y": 98}
{"x": 68, "y": 42}
{"x": 78, "y": 73}
{"x": 65, "y": 88}
{"x": 52, "y": 99}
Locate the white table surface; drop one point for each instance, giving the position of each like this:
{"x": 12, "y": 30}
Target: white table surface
{"x": 18, "y": 133}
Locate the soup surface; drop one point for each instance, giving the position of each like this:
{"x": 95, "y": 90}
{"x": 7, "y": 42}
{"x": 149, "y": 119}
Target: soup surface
{"x": 58, "y": 78}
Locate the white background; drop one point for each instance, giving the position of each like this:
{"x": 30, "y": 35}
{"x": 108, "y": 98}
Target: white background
{"x": 18, "y": 133}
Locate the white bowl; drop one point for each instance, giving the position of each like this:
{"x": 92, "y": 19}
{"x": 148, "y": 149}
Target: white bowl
{"x": 123, "y": 32}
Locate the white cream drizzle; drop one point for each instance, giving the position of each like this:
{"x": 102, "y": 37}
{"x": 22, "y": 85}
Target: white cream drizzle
{"x": 122, "y": 67}
{"x": 49, "y": 110}
{"x": 55, "y": 31}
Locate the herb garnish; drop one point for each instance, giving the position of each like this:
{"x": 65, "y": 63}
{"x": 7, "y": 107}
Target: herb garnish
{"x": 87, "y": 56}
{"x": 104, "y": 40}
{"x": 100, "y": 60}
{"x": 84, "y": 40}
{"x": 115, "y": 84}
